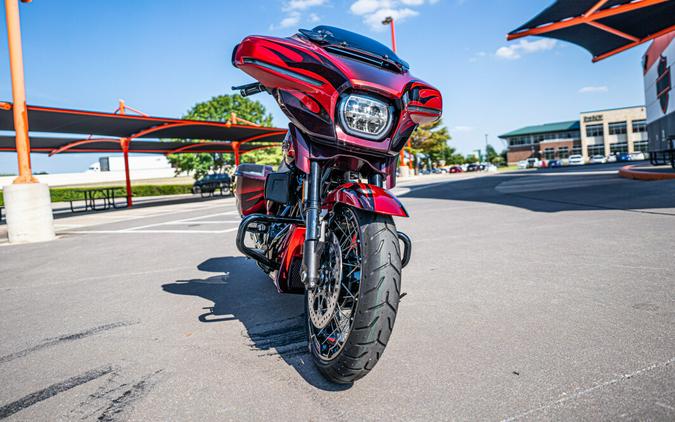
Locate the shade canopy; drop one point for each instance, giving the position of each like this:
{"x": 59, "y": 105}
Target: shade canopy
{"x": 54, "y": 146}
{"x": 59, "y": 120}
{"x": 603, "y": 27}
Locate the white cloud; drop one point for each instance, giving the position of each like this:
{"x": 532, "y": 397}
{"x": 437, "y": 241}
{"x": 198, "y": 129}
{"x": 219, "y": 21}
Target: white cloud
{"x": 593, "y": 89}
{"x": 294, "y": 12}
{"x": 303, "y": 4}
{"x": 374, "y": 12}
{"x": 292, "y": 19}
{"x": 523, "y": 47}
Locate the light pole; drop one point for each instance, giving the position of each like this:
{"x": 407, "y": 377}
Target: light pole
{"x": 29, "y": 209}
{"x": 390, "y": 21}
{"x": 486, "y": 146}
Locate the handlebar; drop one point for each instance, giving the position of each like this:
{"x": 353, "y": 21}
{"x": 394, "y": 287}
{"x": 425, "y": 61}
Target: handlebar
{"x": 249, "y": 89}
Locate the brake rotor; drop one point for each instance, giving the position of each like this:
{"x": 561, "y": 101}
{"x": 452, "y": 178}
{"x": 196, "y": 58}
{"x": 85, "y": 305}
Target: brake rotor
{"x": 322, "y": 300}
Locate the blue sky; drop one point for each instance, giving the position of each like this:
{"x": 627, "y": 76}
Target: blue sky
{"x": 162, "y": 56}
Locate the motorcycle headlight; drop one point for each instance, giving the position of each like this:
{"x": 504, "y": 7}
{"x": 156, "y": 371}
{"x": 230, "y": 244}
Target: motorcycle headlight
{"x": 365, "y": 116}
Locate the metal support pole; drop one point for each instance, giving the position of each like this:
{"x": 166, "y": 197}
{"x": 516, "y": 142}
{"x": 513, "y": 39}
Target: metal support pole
{"x": 27, "y": 202}
{"x": 124, "y": 143}
{"x": 18, "y": 92}
{"x": 125, "y": 149}
{"x": 237, "y": 156}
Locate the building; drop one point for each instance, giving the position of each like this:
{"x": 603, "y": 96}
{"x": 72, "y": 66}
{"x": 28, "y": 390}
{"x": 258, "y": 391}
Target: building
{"x": 601, "y": 132}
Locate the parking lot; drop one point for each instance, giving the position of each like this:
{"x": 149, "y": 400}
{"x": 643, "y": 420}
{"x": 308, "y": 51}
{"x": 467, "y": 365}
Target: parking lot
{"x": 531, "y": 295}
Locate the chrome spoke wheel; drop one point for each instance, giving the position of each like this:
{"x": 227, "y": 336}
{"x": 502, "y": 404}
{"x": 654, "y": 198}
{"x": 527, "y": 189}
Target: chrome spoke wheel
{"x": 331, "y": 306}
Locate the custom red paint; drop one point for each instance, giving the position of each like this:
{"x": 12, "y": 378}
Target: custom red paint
{"x": 308, "y": 81}
{"x": 250, "y": 194}
{"x": 366, "y": 197}
{"x": 292, "y": 250}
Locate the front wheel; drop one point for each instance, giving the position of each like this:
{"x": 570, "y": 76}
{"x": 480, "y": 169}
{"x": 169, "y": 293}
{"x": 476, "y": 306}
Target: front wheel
{"x": 351, "y": 311}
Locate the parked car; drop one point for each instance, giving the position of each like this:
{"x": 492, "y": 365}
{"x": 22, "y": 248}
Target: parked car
{"x": 534, "y": 163}
{"x": 638, "y": 156}
{"x": 456, "y": 169}
{"x": 611, "y": 158}
{"x": 623, "y": 156}
{"x": 555, "y": 163}
{"x": 522, "y": 164}
{"x": 211, "y": 182}
{"x": 576, "y": 160}
{"x": 472, "y": 167}
{"x": 597, "y": 159}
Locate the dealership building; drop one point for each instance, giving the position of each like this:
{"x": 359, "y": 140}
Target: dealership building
{"x": 601, "y": 132}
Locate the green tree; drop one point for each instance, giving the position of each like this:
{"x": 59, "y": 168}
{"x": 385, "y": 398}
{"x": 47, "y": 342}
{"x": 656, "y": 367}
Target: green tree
{"x": 491, "y": 153}
{"x": 220, "y": 109}
{"x": 432, "y": 139}
{"x": 456, "y": 159}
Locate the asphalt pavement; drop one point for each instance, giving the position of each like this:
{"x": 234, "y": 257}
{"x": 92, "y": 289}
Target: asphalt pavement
{"x": 540, "y": 295}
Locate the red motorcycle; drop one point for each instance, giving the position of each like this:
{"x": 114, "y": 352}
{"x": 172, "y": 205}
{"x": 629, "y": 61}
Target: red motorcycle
{"x": 316, "y": 226}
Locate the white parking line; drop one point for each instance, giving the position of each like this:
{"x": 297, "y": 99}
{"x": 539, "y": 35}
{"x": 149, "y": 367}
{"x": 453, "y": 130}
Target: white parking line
{"x": 154, "y": 228}
{"x": 149, "y": 231}
{"x": 178, "y": 223}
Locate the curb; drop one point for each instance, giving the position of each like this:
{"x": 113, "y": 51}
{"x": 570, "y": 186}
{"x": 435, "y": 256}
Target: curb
{"x": 630, "y": 173}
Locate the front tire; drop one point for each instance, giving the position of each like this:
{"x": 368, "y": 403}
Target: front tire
{"x": 360, "y": 322}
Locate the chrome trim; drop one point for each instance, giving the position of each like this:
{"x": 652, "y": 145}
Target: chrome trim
{"x": 377, "y": 137}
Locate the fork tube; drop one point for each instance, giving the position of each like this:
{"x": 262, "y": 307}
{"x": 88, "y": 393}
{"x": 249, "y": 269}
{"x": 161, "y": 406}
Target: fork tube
{"x": 375, "y": 179}
{"x": 312, "y": 252}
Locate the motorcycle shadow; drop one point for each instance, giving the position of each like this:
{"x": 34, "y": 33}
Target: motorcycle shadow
{"x": 274, "y": 322}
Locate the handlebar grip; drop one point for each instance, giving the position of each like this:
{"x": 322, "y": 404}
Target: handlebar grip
{"x": 250, "y": 89}
{"x": 255, "y": 89}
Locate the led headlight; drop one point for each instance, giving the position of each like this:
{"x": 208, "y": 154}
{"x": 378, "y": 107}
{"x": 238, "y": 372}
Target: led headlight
{"x": 365, "y": 116}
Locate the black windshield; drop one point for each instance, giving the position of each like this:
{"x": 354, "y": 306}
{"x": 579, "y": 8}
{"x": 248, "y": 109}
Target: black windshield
{"x": 342, "y": 38}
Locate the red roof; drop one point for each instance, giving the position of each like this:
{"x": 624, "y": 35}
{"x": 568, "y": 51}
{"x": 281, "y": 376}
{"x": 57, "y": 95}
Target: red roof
{"x": 603, "y": 27}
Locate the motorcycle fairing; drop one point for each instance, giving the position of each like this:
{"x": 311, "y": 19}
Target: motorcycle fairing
{"x": 302, "y": 153}
{"x": 307, "y": 82}
{"x": 366, "y": 197}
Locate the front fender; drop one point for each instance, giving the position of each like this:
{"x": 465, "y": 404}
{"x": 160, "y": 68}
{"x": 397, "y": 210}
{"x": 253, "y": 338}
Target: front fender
{"x": 366, "y": 197}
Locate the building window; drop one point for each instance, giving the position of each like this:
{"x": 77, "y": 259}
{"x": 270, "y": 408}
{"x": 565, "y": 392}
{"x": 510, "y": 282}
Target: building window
{"x": 549, "y": 153}
{"x": 519, "y": 140}
{"x": 641, "y": 146}
{"x": 594, "y": 130}
{"x": 576, "y": 150}
{"x": 596, "y": 150}
{"x": 617, "y": 128}
{"x": 639, "y": 126}
{"x": 618, "y": 148}
{"x": 563, "y": 152}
